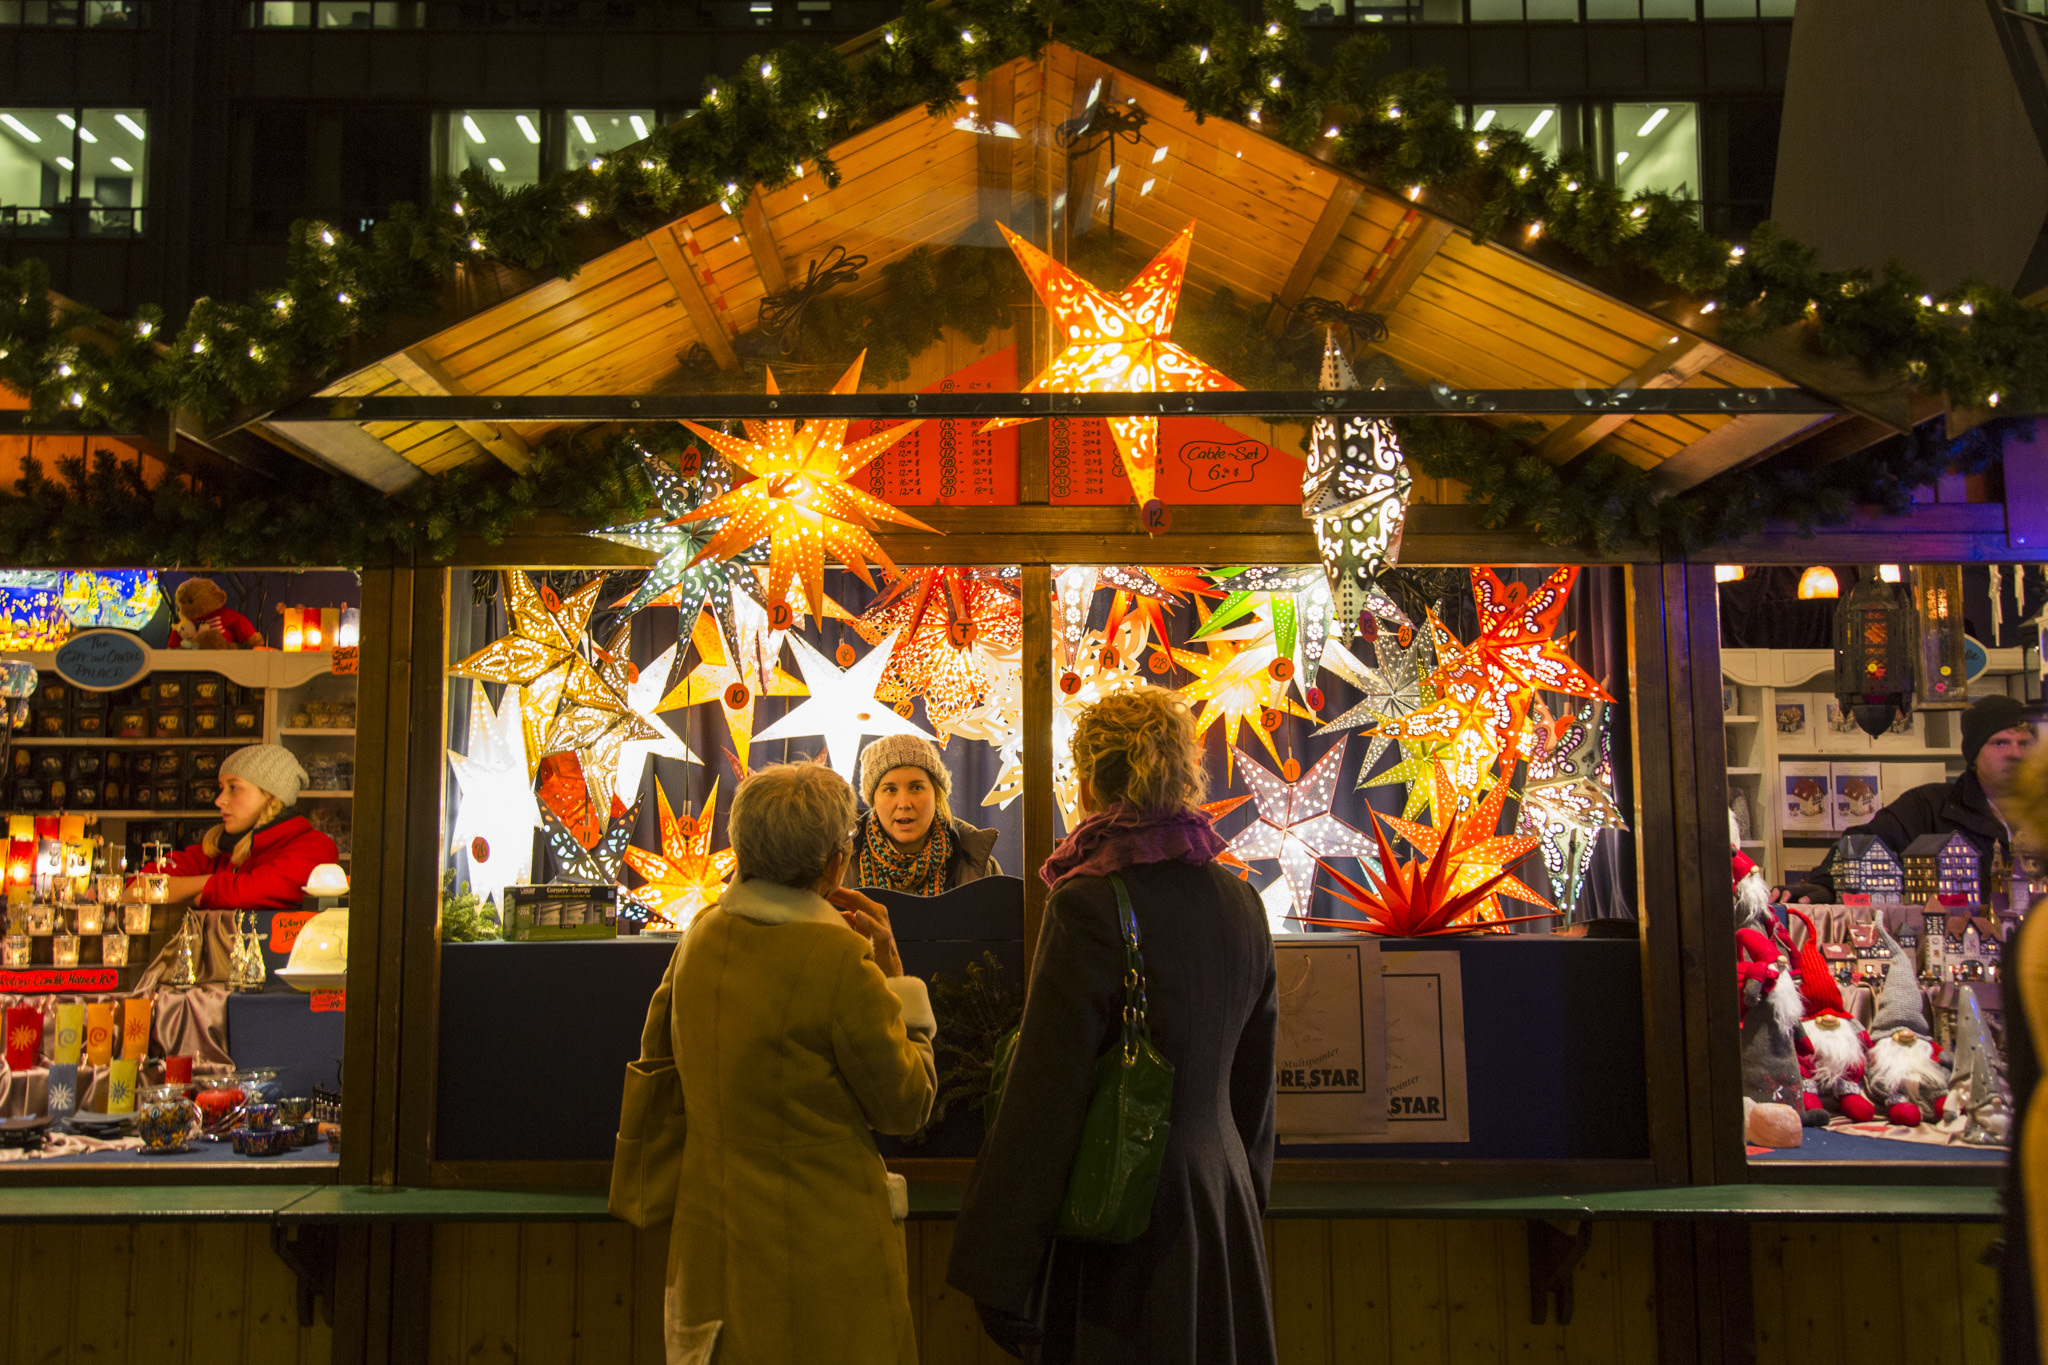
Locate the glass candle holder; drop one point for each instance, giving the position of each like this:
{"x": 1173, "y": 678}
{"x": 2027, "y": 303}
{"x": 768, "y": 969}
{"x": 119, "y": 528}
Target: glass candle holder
{"x": 14, "y": 950}
{"x": 156, "y": 887}
{"x": 39, "y": 919}
{"x": 107, "y": 888}
{"x": 64, "y": 950}
{"x": 89, "y": 917}
{"x": 114, "y": 948}
{"x": 135, "y": 918}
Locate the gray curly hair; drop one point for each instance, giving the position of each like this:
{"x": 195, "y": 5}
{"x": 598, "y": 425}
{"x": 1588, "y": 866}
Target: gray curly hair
{"x": 787, "y": 821}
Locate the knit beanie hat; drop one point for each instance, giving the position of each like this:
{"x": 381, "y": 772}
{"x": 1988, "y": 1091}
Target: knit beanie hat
{"x": 901, "y": 751}
{"x": 269, "y": 766}
{"x": 1898, "y": 1003}
{"x": 1985, "y": 718}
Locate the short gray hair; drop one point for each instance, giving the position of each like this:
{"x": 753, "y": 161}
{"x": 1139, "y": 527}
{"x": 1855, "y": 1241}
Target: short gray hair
{"x": 787, "y": 821}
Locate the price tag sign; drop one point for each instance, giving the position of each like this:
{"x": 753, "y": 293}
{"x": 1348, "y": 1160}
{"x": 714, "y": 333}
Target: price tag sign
{"x": 51, "y": 980}
{"x": 284, "y": 929}
{"x": 330, "y": 1002}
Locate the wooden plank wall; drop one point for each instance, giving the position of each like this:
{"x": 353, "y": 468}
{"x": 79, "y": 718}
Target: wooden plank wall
{"x": 1860, "y": 1291}
{"x": 150, "y": 1294}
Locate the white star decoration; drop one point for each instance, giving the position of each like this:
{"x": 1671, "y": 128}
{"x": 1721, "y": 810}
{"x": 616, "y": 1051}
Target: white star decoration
{"x": 641, "y": 699}
{"x": 1355, "y": 490}
{"x": 842, "y": 706}
{"x": 495, "y": 819}
{"x": 1295, "y": 825}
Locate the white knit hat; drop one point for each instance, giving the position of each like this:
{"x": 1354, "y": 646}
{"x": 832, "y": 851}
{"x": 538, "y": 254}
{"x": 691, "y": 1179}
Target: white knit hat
{"x": 901, "y": 751}
{"x": 269, "y": 766}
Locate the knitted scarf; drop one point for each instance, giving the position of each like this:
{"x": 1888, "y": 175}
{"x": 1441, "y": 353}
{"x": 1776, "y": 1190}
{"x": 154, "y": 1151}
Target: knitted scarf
{"x": 1120, "y": 837}
{"x": 922, "y": 873}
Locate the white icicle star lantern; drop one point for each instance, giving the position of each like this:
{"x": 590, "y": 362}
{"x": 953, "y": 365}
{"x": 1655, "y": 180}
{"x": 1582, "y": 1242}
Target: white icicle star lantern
{"x": 1355, "y": 489}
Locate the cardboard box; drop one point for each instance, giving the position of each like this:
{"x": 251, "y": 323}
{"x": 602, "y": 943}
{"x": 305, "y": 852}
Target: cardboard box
{"x": 1795, "y": 720}
{"x": 1907, "y": 734}
{"x": 1856, "y": 785}
{"x": 1837, "y": 731}
{"x": 1805, "y": 796}
{"x": 561, "y": 910}
{"x": 1898, "y": 778}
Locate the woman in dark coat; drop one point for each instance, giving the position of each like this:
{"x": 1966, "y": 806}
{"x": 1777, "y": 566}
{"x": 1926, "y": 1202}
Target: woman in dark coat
{"x": 1192, "y": 1289}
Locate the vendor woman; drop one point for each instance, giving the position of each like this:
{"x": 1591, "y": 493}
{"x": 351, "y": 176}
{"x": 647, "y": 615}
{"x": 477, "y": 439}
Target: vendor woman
{"x": 909, "y": 839}
{"x": 259, "y": 857}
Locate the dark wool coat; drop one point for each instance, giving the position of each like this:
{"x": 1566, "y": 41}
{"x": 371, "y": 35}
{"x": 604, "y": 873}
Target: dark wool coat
{"x": 1192, "y": 1290}
{"x": 1937, "y": 808}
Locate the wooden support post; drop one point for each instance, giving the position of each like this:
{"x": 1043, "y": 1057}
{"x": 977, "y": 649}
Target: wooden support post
{"x": 674, "y": 259}
{"x": 420, "y": 926}
{"x": 429, "y": 378}
{"x": 1041, "y": 824}
{"x": 1336, "y": 212}
{"x": 1402, "y": 265}
{"x": 761, "y": 245}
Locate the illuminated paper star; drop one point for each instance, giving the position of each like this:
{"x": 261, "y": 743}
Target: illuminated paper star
{"x": 1414, "y": 900}
{"x": 800, "y": 501}
{"x": 716, "y": 679}
{"x": 842, "y": 706}
{"x": 998, "y": 722}
{"x": 602, "y": 730}
{"x": 541, "y": 656}
{"x": 676, "y": 580}
{"x": 1234, "y": 681}
{"x": 1297, "y": 603}
{"x": 946, "y": 622}
{"x": 1117, "y": 344}
{"x": 1295, "y": 826}
{"x": 599, "y": 863}
{"x": 1477, "y": 854}
{"x": 1142, "y": 595}
{"x": 496, "y": 814}
{"x": 686, "y": 877}
{"x": 1393, "y": 688}
{"x": 1106, "y": 665}
{"x": 1355, "y": 489}
{"x": 1566, "y": 799}
{"x": 643, "y": 696}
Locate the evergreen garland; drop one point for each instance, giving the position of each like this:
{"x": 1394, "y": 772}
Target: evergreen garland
{"x": 776, "y": 120}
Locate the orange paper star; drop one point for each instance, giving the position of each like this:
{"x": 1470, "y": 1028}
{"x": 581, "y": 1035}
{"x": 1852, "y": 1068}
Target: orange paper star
{"x": 800, "y": 501}
{"x": 686, "y": 877}
{"x": 1477, "y": 856}
{"x": 1117, "y": 344}
{"x": 715, "y": 678}
{"x": 948, "y": 624}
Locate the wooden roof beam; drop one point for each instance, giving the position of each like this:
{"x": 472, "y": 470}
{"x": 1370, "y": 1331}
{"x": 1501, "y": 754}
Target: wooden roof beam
{"x": 674, "y": 257}
{"x": 1330, "y": 222}
{"x": 761, "y": 245}
{"x": 428, "y": 377}
{"x": 1408, "y": 252}
{"x": 1671, "y": 367}
{"x": 994, "y": 161}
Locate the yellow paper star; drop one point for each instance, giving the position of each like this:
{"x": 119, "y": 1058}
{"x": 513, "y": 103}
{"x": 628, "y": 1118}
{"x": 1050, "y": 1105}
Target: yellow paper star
{"x": 1234, "y": 682}
{"x": 800, "y": 501}
{"x": 542, "y": 658}
{"x": 1117, "y": 344}
{"x": 715, "y": 679}
{"x": 686, "y": 877}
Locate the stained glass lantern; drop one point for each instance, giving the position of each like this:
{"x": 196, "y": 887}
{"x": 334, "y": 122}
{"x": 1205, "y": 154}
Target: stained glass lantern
{"x": 1876, "y": 644}
{"x": 1938, "y": 605}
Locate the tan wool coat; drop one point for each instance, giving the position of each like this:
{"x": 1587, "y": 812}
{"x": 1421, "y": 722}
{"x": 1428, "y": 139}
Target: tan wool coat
{"x": 793, "y": 1051}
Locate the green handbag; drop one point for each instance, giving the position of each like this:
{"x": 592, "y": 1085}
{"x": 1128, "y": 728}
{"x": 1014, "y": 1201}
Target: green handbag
{"x": 1116, "y": 1170}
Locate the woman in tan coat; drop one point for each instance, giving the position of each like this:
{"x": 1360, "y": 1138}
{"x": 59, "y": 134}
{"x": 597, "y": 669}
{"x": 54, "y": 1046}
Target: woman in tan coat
{"x": 797, "y": 1037}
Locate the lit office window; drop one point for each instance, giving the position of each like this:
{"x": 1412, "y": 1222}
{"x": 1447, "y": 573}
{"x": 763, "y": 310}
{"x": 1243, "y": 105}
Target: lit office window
{"x": 595, "y": 131}
{"x": 280, "y": 14}
{"x": 75, "y": 14}
{"x": 36, "y": 172}
{"x": 1729, "y": 9}
{"x": 503, "y": 143}
{"x": 1657, "y": 147}
{"x": 112, "y": 164}
{"x": 1540, "y": 123}
{"x": 335, "y": 14}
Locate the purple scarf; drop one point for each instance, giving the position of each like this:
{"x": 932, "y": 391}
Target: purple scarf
{"x": 1119, "y": 837}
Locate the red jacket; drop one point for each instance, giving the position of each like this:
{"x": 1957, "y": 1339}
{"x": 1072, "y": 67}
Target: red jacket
{"x": 237, "y": 627}
{"x": 274, "y": 877}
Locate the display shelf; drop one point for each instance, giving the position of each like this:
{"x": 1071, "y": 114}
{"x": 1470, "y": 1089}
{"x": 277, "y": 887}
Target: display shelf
{"x": 315, "y": 731}
{"x": 140, "y": 741}
{"x": 1739, "y": 720}
{"x": 329, "y": 795}
{"x": 1745, "y": 772}
{"x": 1893, "y": 756}
{"x": 255, "y": 668}
{"x": 132, "y": 814}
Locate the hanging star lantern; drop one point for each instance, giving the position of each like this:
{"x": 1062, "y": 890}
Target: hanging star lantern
{"x": 600, "y": 862}
{"x": 1295, "y": 826}
{"x": 1117, "y": 344}
{"x": 947, "y": 623}
{"x": 1355, "y": 490}
{"x": 999, "y": 723}
{"x": 541, "y": 656}
{"x": 1566, "y": 800}
{"x": 496, "y": 815}
{"x": 1393, "y": 687}
{"x": 1106, "y": 665}
{"x": 1234, "y": 681}
{"x": 1296, "y": 602}
{"x": 1485, "y": 689}
{"x": 800, "y": 501}
{"x": 601, "y": 730}
{"x": 716, "y": 679}
{"x": 842, "y": 706}
{"x": 676, "y": 580}
{"x": 643, "y": 696}
{"x": 1476, "y": 853}
{"x": 1413, "y": 900}
{"x": 686, "y": 877}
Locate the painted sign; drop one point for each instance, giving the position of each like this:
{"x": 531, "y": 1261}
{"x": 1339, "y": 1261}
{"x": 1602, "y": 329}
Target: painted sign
{"x": 102, "y": 660}
{"x": 51, "y": 980}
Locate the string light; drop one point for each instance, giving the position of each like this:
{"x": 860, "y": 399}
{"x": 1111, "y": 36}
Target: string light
{"x": 1273, "y": 84}
{"x": 583, "y": 208}
{"x": 1535, "y": 230}
{"x": 1993, "y": 400}
{"x": 343, "y": 298}
{"x": 1202, "y": 57}
{"x": 889, "y": 37}
{"x": 458, "y": 208}
{"x": 1966, "y": 309}
{"x": 1572, "y": 186}
{"x": 1637, "y": 211}
{"x": 326, "y": 238}
{"x": 1709, "y": 306}
{"x": 967, "y": 36}
{"x": 1393, "y": 111}
{"x": 199, "y": 347}
{"x": 1736, "y": 253}
{"x": 141, "y": 329}
{"x": 1272, "y": 30}
{"x": 597, "y": 163}
{"x": 767, "y": 71}
{"x": 1415, "y": 192}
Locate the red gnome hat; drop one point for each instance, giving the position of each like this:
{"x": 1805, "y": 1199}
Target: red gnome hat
{"x": 1818, "y": 990}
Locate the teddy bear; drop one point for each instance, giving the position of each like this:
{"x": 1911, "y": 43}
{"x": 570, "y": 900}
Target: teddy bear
{"x": 205, "y": 620}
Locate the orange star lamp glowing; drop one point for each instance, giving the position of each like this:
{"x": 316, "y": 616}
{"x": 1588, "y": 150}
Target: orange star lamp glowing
{"x": 686, "y": 877}
{"x": 1117, "y": 344}
{"x": 800, "y": 501}
{"x": 1475, "y": 855}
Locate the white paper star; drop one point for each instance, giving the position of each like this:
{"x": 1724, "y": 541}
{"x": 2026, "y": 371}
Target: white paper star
{"x": 641, "y": 699}
{"x": 495, "y": 819}
{"x": 1295, "y": 825}
{"x": 842, "y": 706}
{"x": 1278, "y": 898}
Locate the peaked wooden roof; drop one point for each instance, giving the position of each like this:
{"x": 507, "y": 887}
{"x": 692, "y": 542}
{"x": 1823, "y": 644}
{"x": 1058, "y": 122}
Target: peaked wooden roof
{"x": 1271, "y": 223}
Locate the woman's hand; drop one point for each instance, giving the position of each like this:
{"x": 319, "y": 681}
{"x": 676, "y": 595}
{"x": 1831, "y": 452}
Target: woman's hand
{"x": 869, "y": 919}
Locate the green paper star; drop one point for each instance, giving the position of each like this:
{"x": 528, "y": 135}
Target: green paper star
{"x": 673, "y": 582}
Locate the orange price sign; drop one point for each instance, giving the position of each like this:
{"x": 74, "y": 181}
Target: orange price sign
{"x": 330, "y": 1002}
{"x": 284, "y": 929}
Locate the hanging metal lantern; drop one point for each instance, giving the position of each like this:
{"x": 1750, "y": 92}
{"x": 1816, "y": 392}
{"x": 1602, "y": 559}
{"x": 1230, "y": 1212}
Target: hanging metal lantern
{"x": 1876, "y": 645}
{"x": 1938, "y": 603}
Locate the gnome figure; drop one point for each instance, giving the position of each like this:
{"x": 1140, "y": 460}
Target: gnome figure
{"x": 1771, "y": 1080}
{"x": 1906, "y": 1074}
{"x": 1981, "y": 1095}
{"x": 1836, "y": 1050}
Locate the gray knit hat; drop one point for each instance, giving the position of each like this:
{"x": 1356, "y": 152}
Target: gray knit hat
{"x": 901, "y": 751}
{"x": 1898, "y": 1004}
{"x": 269, "y": 766}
